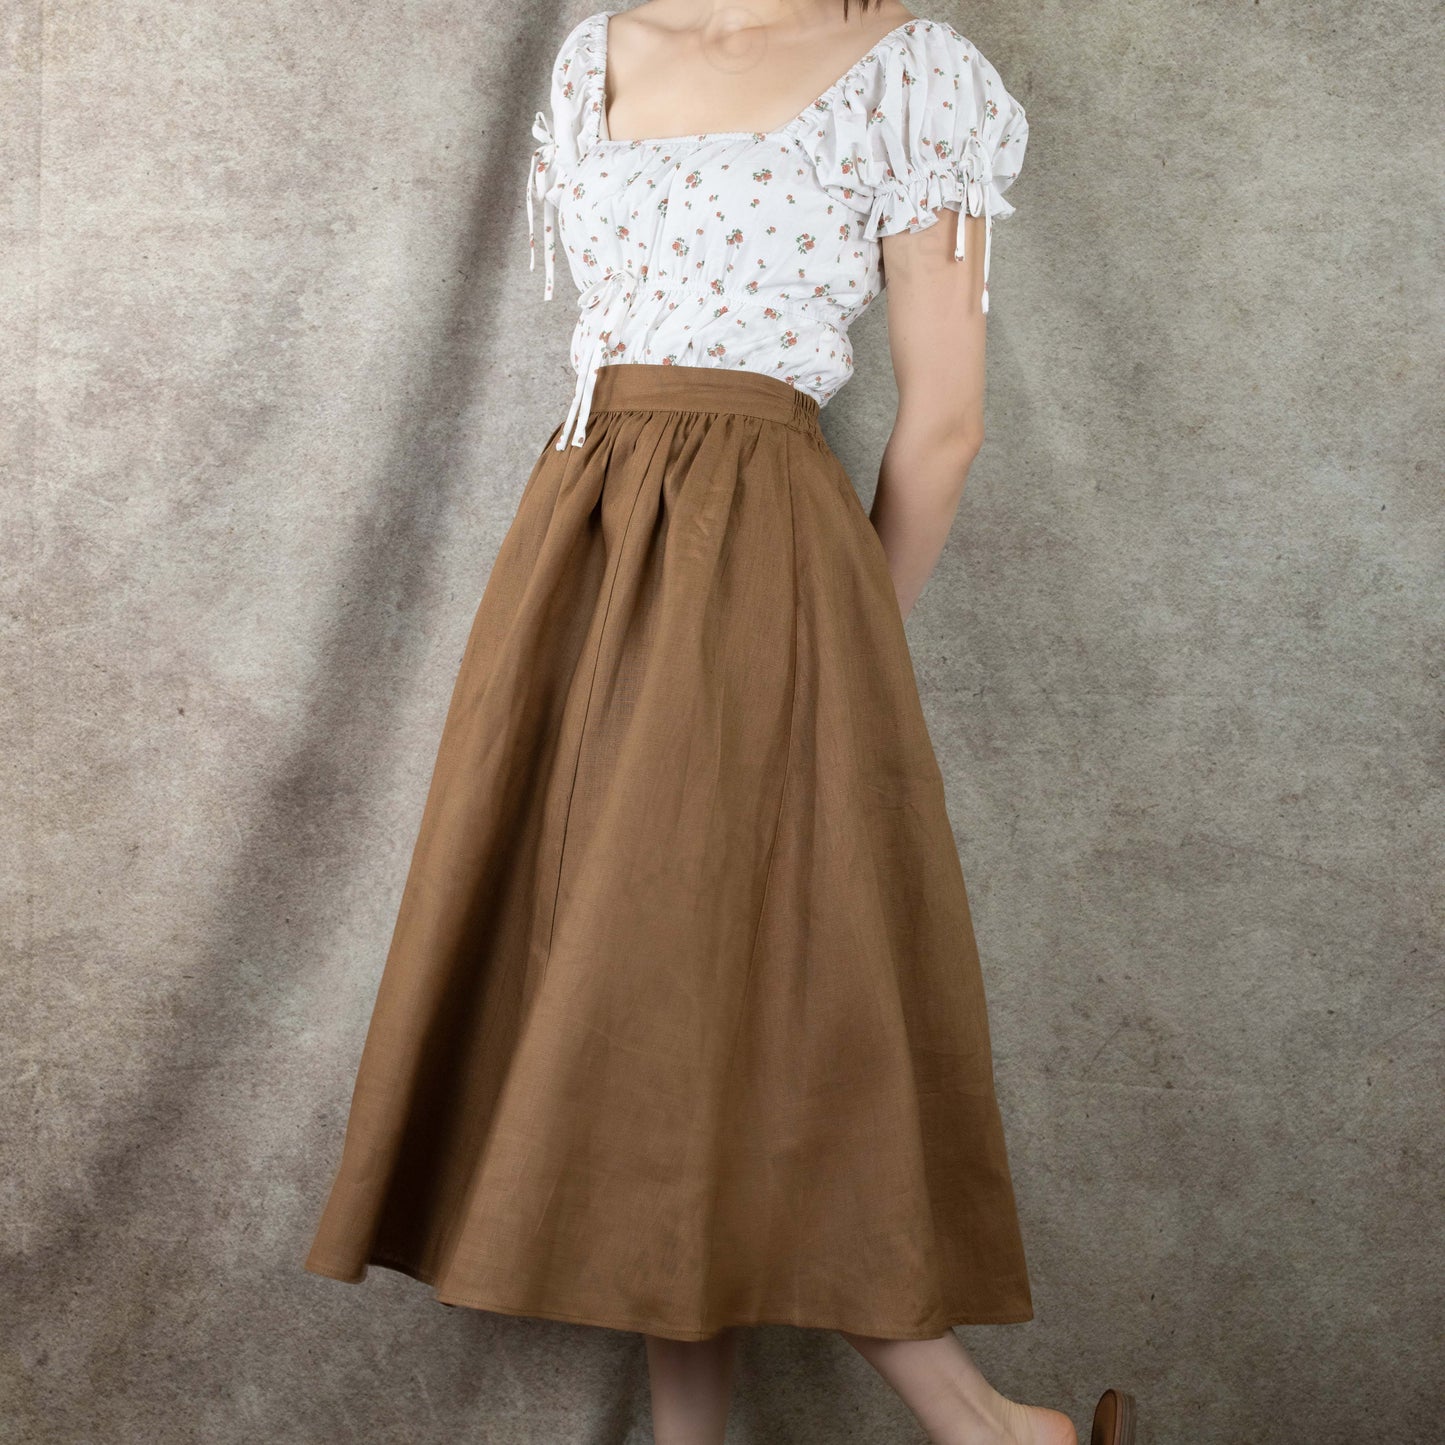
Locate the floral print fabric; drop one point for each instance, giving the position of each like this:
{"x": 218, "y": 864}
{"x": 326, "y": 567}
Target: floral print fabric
{"x": 759, "y": 249}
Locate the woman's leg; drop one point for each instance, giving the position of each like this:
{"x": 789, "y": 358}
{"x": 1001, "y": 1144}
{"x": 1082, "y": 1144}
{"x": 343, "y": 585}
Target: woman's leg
{"x": 938, "y": 1380}
{"x": 692, "y": 1384}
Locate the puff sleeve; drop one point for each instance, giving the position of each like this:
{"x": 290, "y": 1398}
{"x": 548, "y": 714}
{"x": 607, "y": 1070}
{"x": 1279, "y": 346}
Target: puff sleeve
{"x": 561, "y": 133}
{"x": 929, "y": 127}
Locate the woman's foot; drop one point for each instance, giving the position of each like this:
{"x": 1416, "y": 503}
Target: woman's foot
{"x": 948, "y": 1394}
{"x": 1035, "y": 1425}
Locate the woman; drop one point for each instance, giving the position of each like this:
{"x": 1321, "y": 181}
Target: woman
{"x": 682, "y": 1027}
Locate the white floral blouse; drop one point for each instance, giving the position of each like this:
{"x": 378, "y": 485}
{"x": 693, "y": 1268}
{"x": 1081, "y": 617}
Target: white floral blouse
{"x": 758, "y": 249}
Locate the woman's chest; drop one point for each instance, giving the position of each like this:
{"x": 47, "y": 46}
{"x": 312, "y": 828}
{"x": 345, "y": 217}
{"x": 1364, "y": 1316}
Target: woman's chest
{"x": 738, "y": 212}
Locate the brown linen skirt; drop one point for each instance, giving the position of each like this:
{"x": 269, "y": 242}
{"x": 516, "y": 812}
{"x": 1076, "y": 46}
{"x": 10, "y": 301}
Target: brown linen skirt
{"x": 682, "y": 1024}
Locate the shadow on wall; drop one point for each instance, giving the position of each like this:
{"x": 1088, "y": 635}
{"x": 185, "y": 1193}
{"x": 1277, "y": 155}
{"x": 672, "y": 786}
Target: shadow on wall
{"x": 148, "y": 1148}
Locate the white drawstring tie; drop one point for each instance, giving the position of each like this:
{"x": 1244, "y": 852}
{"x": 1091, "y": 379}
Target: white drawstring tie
{"x": 977, "y": 172}
{"x": 540, "y": 181}
{"x": 927, "y": 189}
{"x": 613, "y": 293}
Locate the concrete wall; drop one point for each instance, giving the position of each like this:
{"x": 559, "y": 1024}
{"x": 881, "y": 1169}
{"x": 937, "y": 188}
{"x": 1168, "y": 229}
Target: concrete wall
{"x": 275, "y": 371}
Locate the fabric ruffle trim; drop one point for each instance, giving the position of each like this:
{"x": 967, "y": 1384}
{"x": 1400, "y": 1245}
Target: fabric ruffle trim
{"x": 929, "y": 127}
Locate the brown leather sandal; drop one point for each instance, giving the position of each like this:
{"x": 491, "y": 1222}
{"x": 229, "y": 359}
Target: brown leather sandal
{"x": 1113, "y": 1419}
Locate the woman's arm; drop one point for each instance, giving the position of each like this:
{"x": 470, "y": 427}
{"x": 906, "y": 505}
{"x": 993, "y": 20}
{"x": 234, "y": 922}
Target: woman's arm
{"x": 936, "y": 338}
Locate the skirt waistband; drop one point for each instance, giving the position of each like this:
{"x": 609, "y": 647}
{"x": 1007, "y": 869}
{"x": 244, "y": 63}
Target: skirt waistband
{"x": 652, "y": 386}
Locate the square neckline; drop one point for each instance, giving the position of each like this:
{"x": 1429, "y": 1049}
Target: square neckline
{"x": 604, "y": 131}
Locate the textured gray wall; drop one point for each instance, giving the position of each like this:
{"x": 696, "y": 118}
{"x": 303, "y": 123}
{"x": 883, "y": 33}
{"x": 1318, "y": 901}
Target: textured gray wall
{"x": 275, "y": 371}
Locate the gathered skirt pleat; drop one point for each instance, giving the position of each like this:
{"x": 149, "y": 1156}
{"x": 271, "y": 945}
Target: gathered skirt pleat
{"x": 682, "y": 1024}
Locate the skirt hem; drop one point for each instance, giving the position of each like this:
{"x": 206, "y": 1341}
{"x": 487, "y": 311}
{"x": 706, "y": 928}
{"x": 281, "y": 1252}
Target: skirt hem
{"x": 946, "y": 1321}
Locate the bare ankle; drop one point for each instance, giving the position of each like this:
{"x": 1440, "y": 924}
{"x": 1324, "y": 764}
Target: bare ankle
{"x": 997, "y": 1419}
